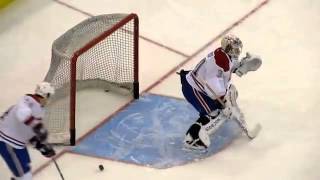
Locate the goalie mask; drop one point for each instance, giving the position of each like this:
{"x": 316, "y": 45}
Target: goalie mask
{"x": 232, "y": 45}
{"x": 44, "y": 89}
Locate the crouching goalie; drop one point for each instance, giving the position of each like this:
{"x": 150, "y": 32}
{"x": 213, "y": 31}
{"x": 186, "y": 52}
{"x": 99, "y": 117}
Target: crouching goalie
{"x": 208, "y": 88}
{"x": 22, "y": 124}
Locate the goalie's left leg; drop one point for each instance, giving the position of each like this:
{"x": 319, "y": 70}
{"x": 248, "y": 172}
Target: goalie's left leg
{"x": 198, "y": 135}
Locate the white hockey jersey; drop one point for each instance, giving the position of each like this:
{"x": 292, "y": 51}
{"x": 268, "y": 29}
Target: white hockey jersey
{"x": 16, "y": 123}
{"x": 215, "y": 70}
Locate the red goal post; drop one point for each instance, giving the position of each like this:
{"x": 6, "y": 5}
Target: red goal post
{"x": 100, "y": 52}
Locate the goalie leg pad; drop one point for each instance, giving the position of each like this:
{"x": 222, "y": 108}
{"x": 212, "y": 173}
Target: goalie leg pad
{"x": 196, "y": 138}
{"x": 198, "y": 135}
{"x": 214, "y": 123}
{"x": 232, "y": 96}
{"x": 231, "y": 102}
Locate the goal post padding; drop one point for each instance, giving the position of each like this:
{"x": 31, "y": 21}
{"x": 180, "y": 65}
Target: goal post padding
{"x": 100, "y": 52}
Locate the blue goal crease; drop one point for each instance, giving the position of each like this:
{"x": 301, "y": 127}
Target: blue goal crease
{"x": 150, "y": 132}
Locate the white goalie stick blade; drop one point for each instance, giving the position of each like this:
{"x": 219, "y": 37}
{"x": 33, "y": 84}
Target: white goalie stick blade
{"x": 255, "y": 131}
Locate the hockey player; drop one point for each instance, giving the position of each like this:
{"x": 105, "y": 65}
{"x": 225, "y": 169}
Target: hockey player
{"x": 22, "y": 124}
{"x": 208, "y": 88}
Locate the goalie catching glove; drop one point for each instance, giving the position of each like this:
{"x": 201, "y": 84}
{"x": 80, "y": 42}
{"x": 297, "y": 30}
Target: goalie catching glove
{"x": 249, "y": 63}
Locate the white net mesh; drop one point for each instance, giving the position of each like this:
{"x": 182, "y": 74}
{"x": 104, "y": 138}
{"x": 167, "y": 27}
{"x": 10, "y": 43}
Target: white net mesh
{"x": 109, "y": 64}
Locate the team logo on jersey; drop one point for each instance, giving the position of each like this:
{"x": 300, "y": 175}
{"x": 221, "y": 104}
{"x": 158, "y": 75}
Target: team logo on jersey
{"x": 220, "y": 73}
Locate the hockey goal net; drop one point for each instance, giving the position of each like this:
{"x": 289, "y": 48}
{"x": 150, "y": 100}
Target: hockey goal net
{"x": 100, "y": 52}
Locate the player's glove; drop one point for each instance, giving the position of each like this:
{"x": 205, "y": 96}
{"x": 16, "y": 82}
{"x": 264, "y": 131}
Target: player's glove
{"x": 41, "y": 132}
{"x": 44, "y": 148}
{"x": 248, "y": 63}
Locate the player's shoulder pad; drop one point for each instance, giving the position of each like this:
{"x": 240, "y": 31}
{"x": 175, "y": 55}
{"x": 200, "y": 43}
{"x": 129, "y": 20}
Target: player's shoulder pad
{"x": 222, "y": 59}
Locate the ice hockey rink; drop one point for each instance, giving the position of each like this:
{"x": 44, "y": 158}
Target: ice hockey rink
{"x": 283, "y": 95}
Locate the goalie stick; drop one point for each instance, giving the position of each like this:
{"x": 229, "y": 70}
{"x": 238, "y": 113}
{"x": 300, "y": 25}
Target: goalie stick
{"x": 250, "y": 134}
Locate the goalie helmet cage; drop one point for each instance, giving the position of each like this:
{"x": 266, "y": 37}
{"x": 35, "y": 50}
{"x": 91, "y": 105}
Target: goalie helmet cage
{"x": 100, "y": 52}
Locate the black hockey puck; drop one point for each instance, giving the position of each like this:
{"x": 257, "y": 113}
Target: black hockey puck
{"x": 101, "y": 167}
{"x": 106, "y": 90}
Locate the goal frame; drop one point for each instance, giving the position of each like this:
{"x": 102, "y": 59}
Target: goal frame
{"x": 85, "y": 48}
